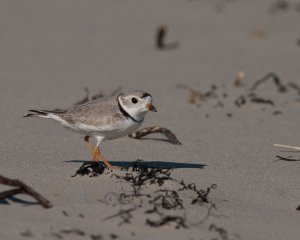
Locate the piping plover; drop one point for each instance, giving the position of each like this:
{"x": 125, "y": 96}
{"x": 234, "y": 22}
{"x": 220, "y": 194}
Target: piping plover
{"x": 103, "y": 119}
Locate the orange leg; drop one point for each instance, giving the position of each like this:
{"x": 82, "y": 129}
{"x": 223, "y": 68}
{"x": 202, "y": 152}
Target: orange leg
{"x": 90, "y": 146}
{"x": 100, "y": 156}
{"x": 96, "y": 153}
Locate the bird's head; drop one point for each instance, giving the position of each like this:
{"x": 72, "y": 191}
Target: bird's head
{"x": 137, "y": 104}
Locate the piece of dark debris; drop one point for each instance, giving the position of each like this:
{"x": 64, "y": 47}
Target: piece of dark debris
{"x": 221, "y": 231}
{"x": 287, "y": 159}
{"x": 277, "y": 112}
{"x": 262, "y": 101}
{"x": 294, "y": 85}
{"x": 113, "y": 236}
{"x": 160, "y": 36}
{"x": 96, "y": 237}
{"x": 56, "y": 235}
{"x": 27, "y": 234}
{"x": 240, "y": 101}
{"x": 74, "y": 231}
{"x": 64, "y": 213}
{"x": 156, "y": 129}
{"x": 179, "y": 222}
{"x": 92, "y": 169}
{"x": 298, "y": 208}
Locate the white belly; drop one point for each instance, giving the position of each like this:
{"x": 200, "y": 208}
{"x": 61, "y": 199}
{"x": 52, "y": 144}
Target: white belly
{"x": 117, "y": 130}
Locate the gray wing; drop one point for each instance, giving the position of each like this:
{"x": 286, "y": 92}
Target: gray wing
{"x": 99, "y": 112}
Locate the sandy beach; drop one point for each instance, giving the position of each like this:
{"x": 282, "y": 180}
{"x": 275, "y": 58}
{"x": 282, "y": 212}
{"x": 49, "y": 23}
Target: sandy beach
{"x": 224, "y": 182}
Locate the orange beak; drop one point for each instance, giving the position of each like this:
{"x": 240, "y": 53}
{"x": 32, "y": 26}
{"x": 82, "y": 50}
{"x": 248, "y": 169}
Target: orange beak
{"x": 151, "y": 108}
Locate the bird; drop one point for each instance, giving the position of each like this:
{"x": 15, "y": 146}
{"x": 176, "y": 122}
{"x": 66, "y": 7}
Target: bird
{"x": 105, "y": 118}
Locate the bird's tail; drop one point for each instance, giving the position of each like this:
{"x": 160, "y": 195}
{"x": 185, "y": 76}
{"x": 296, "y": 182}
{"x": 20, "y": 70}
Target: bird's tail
{"x": 43, "y": 113}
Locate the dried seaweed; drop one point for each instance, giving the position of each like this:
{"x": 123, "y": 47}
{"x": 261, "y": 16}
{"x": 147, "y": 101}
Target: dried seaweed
{"x": 180, "y": 222}
{"x": 262, "y": 101}
{"x": 156, "y": 129}
{"x": 124, "y": 215}
{"x": 160, "y": 201}
{"x": 22, "y": 189}
{"x": 276, "y": 81}
{"x": 221, "y": 231}
{"x": 92, "y": 169}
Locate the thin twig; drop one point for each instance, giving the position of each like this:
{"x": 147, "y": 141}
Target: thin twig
{"x": 287, "y": 146}
{"x": 24, "y": 189}
{"x": 287, "y": 159}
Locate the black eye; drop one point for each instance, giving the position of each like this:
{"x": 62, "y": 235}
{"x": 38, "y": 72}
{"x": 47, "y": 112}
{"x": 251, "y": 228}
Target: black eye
{"x": 134, "y": 100}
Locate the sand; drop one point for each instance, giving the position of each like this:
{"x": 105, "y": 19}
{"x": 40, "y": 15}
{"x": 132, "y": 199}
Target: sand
{"x": 49, "y": 51}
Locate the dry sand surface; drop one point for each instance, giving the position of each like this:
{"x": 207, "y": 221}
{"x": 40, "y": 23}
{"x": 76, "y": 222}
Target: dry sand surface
{"x": 51, "y": 50}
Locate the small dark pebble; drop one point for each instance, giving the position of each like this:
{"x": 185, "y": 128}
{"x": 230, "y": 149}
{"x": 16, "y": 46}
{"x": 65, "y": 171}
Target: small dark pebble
{"x": 65, "y": 213}
{"x": 277, "y": 113}
{"x": 113, "y": 236}
{"x": 229, "y": 114}
{"x": 225, "y": 95}
{"x": 207, "y": 116}
{"x": 298, "y": 208}
{"x": 81, "y": 215}
{"x": 27, "y": 233}
{"x": 56, "y": 235}
{"x": 214, "y": 87}
{"x": 96, "y": 237}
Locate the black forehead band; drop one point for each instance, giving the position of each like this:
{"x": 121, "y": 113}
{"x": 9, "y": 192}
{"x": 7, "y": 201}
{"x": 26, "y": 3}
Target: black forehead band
{"x": 146, "y": 95}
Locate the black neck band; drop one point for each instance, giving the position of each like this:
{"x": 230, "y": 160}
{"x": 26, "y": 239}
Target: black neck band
{"x": 126, "y": 114}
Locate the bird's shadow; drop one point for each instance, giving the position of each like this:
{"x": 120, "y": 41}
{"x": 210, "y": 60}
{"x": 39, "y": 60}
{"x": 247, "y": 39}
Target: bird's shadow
{"x": 150, "y": 164}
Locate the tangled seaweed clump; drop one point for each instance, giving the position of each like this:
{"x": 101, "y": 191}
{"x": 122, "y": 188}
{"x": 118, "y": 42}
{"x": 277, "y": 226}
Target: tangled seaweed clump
{"x": 161, "y": 198}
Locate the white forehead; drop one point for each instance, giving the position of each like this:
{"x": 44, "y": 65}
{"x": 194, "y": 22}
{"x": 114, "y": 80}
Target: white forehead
{"x": 148, "y": 98}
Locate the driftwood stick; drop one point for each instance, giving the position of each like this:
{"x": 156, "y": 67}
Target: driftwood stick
{"x": 155, "y": 129}
{"x": 24, "y": 189}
